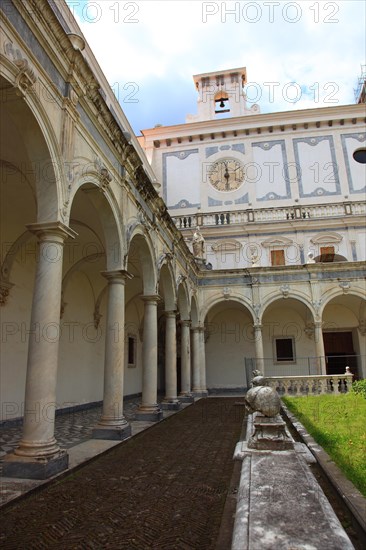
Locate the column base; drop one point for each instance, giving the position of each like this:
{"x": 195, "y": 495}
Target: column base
{"x": 170, "y": 405}
{"x": 35, "y": 468}
{"x": 187, "y": 398}
{"x": 200, "y": 393}
{"x": 114, "y": 433}
{"x": 149, "y": 415}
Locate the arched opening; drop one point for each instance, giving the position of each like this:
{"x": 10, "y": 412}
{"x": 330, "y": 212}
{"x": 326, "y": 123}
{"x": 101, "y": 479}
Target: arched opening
{"x": 229, "y": 343}
{"x": 344, "y": 319}
{"x": 289, "y": 339}
{"x": 222, "y": 104}
{"x": 28, "y": 194}
{"x": 141, "y": 282}
{"x": 84, "y": 302}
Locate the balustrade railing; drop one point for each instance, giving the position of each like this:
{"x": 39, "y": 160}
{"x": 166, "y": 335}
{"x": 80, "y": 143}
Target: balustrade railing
{"x": 263, "y": 215}
{"x": 310, "y": 385}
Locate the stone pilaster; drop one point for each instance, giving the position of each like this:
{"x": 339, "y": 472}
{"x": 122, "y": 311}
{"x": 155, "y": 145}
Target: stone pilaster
{"x": 38, "y": 455}
{"x": 113, "y": 424}
{"x": 149, "y": 409}
{"x": 170, "y": 401}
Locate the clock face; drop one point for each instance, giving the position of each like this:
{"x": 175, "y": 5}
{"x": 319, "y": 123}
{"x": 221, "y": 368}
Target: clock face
{"x": 226, "y": 174}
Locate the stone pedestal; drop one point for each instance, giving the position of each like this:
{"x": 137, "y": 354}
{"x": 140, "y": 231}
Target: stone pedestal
{"x": 30, "y": 468}
{"x": 170, "y": 406}
{"x": 269, "y": 433}
{"x": 149, "y": 415}
{"x": 118, "y": 433}
{"x": 186, "y": 398}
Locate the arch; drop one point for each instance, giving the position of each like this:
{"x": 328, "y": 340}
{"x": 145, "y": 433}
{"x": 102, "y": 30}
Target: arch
{"x": 108, "y": 216}
{"x": 294, "y": 295}
{"x": 140, "y": 248}
{"x": 183, "y": 301}
{"x": 335, "y": 293}
{"x": 28, "y": 125}
{"x": 218, "y": 298}
{"x": 166, "y": 286}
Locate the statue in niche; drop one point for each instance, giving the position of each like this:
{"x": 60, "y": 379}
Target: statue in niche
{"x": 198, "y": 244}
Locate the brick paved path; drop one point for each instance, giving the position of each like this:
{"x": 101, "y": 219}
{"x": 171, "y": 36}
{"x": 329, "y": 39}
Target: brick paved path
{"x": 165, "y": 488}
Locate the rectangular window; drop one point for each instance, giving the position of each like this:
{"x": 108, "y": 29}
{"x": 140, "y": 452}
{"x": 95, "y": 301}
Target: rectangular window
{"x": 284, "y": 349}
{"x": 131, "y": 351}
{"x": 278, "y": 257}
{"x": 327, "y": 254}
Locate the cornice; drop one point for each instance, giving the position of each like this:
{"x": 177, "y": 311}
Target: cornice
{"x": 269, "y": 123}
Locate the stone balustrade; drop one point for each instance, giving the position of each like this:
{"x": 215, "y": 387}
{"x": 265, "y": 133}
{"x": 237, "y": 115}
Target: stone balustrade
{"x": 310, "y": 384}
{"x": 262, "y": 215}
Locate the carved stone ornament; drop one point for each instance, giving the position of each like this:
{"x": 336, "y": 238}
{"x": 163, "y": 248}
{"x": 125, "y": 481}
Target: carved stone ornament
{"x": 309, "y": 330}
{"x": 26, "y": 76}
{"x": 345, "y": 286}
{"x": 4, "y": 292}
{"x": 104, "y": 174}
{"x": 226, "y": 292}
{"x": 285, "y": 289}
{"x": 362, "y": 327}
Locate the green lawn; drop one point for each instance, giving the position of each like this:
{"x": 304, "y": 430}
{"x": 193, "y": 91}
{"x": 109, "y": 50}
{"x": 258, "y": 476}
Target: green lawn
{"x": 338, "y": 424}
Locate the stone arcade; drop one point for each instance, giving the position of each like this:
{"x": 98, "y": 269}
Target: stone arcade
{"x": 101, "y": 296}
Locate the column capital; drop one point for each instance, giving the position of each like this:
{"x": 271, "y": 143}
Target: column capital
{"x": 185, "y": 322}
{"x": 117, "y": 276}
{"x": 170, "y": 314}
{"x": 257, "y": 326}
{"x": 153, "y": 298}
{"x": 51, "y": 231}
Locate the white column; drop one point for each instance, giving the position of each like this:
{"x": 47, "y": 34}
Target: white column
{"x": 196, "y": 361}
{"x": 113, "y": 424}
{"x": 170, "y": 400}
{"x": 202, "y": 352}
{"x": 259, "y": 353}
{"x": 185, "y": 359}
{"x": 319, "y": 346}
{"x": 38, "y": 455}
{"x": 149, "y": 409}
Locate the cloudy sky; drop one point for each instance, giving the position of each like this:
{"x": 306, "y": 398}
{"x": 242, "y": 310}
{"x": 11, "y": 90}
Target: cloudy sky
{"x": 298, "y": 55}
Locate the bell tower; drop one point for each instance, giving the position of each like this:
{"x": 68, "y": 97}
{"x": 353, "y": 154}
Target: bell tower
{"x": 221, "y": 95}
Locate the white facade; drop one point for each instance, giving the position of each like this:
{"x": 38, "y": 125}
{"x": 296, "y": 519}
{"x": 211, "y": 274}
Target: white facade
{"x": 280, "y": 201}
